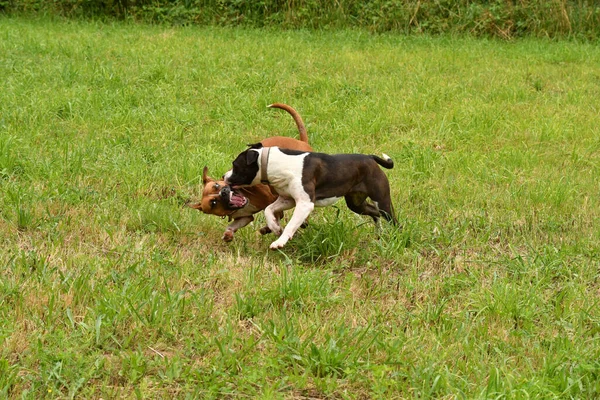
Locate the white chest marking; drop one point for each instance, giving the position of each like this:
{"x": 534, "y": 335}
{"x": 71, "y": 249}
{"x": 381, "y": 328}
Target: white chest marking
{"x": 285, "y": 172}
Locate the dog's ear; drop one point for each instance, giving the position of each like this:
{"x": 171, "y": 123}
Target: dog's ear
{"x": 195, "y": 206}
{"x": 258, "y": 145}
{"x": 251, "y": 157}
{"x": 205, "y": 177}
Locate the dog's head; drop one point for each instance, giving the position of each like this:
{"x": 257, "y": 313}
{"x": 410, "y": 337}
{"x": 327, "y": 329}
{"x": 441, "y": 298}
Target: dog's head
{"x": 218, "y": 198}
{"x": 245, "y": 167}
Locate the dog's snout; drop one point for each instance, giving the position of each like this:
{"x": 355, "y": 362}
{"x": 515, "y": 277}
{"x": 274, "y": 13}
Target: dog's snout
{"x": 225, "y": 192}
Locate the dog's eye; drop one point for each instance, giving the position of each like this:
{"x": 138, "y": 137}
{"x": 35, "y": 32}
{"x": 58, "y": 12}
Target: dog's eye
{"x": 217, "y": 186}
{"x": 213, "y": 203}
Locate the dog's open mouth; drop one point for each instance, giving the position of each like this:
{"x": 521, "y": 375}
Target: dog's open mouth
{"x": 236, "y": 200}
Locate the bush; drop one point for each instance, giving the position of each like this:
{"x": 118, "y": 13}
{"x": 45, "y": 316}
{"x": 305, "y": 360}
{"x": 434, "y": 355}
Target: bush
{"x": 501, "y": 18}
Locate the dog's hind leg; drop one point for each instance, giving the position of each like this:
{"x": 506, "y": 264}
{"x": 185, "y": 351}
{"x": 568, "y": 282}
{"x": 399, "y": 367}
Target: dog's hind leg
{"x": 358, "y": 203}
{"x": 380, "y": 194}
{"x": 386, "y": 209}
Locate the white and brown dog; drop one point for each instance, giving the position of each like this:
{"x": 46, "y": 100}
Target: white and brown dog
{"x": 239, "y": 205}
{"x": 305, "y": 180}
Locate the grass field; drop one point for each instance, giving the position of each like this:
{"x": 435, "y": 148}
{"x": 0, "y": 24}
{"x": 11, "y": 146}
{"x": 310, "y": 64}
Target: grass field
{"x": 110, "y": 287}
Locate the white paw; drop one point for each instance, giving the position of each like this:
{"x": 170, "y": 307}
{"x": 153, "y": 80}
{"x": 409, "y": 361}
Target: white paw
{"x": 279, "y": 243}
{"x": 275, "y": 228}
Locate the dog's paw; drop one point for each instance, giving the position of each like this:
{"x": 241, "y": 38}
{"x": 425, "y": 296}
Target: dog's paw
{"x": 279, "y": 243}
{"x": 264, "y": 230}
{"x": 228, "y": 235}
{"x": 275, "y": 229}
{"x": 273, "y": 225}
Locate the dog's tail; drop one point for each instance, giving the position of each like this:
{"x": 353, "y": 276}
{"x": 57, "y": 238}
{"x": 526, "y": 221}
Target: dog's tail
{"x": 385, "y": 162}
{"x": 297, "y": 119}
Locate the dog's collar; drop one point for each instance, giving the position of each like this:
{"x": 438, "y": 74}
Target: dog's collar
{"x": 264, "y": 160}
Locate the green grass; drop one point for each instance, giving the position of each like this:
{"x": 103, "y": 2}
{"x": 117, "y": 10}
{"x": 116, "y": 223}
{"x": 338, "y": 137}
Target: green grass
{"x": 110, "y": 287}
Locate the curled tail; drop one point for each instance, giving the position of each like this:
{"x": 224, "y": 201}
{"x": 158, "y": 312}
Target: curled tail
{"x": 297, "y": 119}
{"x": 385, "y": 162}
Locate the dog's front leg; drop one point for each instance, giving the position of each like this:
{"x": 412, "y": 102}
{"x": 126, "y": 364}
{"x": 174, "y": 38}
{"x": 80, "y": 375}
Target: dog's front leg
{"x": 281, "y": 204}
{"x": 302, "y": 211}
{"x": 234, "y": 226}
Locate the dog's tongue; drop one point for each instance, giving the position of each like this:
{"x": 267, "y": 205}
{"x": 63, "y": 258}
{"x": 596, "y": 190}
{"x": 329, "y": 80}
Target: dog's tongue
{"x": 237, "y": 200}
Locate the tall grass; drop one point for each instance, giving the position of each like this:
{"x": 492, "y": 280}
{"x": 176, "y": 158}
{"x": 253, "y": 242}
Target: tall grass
{"x": 500, "y": 18}
{"x": 110, "y": 287}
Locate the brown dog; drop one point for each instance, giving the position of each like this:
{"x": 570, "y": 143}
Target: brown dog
{"x": 239, "y": 205}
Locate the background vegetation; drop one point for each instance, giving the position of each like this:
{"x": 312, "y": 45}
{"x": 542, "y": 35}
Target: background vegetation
{"x": 500, "y": 18}
{"x": 111, "y": 288}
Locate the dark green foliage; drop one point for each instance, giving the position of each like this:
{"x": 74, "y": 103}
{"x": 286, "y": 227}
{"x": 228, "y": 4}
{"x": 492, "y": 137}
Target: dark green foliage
{"x": 500, "y": 18}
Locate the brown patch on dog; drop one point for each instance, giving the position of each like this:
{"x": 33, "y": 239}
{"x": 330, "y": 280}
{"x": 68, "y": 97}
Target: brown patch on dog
{"x": 221, "y": 203}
